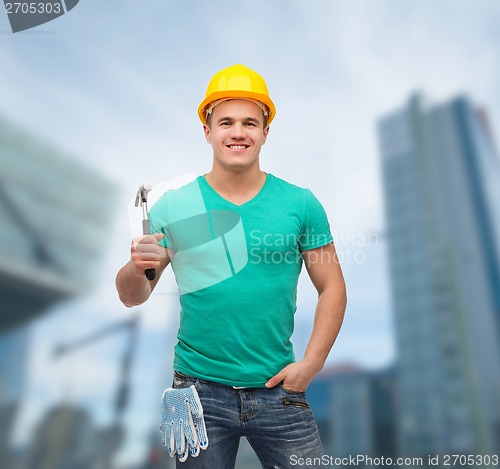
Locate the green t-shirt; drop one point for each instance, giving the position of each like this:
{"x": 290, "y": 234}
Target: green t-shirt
{"x": 237, "y": 268}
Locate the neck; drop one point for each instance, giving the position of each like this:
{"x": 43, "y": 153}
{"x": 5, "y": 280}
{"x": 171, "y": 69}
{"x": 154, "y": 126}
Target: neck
{"x": 235, "y": 182}
{"x": 238, "y": 187}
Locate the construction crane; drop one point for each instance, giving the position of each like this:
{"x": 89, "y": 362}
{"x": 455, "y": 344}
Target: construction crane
{"x": 111, "y": 437}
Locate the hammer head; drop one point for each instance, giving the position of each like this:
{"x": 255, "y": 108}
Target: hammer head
{"x": 142, "y": 193}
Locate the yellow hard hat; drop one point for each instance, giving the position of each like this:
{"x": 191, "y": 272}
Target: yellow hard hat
{"x": 237, "y": 82}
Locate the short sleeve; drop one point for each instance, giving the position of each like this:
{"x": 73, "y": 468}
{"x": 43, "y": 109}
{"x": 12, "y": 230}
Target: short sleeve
{"x": 159, "y": 223}
{"x": 316, "y": 230}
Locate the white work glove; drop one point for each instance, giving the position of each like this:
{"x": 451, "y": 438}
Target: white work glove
{"x": 182, "y": 422}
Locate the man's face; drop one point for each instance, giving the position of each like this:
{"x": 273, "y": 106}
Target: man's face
{"x": 236, "y": 133}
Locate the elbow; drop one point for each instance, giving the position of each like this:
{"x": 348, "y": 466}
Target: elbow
{"x": 344, "y": 294}
{"x": 129, "y": 303}
{"x": 125, "y": 302}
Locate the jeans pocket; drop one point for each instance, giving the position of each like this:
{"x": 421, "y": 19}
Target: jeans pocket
{"x": 293, "y": 398}
{"x": 288, "y": 391}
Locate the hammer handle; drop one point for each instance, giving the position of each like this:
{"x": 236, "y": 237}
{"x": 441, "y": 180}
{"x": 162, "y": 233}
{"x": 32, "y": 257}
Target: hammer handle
{"x": 146, "y": 229}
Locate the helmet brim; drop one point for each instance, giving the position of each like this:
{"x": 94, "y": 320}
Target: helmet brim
{"x": 235, "y": 94}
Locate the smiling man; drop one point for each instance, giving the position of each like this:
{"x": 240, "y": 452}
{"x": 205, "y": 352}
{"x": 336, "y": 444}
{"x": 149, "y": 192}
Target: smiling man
{"x": 236, "y": 130}
{"x": 237, "y": 238}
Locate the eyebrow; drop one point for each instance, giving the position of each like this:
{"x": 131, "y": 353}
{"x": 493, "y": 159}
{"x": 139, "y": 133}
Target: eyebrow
{"x": 252, "y": 119}
{"x": 245, "y": 119}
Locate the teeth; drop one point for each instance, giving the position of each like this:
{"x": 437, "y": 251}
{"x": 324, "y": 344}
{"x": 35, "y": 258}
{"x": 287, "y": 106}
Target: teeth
{"x": 238, "y": 147}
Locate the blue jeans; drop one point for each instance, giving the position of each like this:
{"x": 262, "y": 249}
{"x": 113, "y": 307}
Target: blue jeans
{"x": 276, "y": 422}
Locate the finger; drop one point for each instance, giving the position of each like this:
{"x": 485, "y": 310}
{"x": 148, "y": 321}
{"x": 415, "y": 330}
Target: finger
{"x": 180, "y": 440}
{"x": 185, "y": 452}
{"x": 190, "y": 431}
{"x": 145, "y": 239}
{"x": 141, "y": 265}
{"x": 158, "y": 236}
{"x": 146, "y": 251}
{"x": 195, "y": 403}
{"x": 194, "y": 451}
{"x": 201, "y": 430}
{"x": 146, "y": 256}
{"x": 276, "y": 379}
{"x": 171, "y": 441}
{"x": 147, "y": 245}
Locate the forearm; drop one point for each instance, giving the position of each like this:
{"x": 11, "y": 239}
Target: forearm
{"x": 133, "y": 289}
{"x": 327, "y": 322}
{"x": 131, "y": 282}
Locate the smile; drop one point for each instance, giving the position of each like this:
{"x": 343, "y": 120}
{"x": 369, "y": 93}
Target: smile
{"x": 237, "y": 147}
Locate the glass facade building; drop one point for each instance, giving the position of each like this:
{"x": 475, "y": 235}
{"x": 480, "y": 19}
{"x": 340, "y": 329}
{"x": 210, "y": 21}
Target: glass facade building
{"x": 441, "y": 179}
{"x": 55, "y": 215}
{"x": 355, "y": 411}
{"x": 54, "y": 222}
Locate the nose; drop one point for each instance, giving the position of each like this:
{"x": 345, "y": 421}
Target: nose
{"x": 238, "y": 130}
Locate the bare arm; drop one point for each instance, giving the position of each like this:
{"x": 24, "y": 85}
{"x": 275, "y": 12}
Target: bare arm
{"x": 326, "y": 275}
{"x": 132, "y": 285}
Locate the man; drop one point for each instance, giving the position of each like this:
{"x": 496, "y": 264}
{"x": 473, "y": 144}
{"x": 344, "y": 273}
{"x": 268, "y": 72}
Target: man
{"x": 237, "y": 238}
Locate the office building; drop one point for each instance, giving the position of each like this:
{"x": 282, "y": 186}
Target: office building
{"x": 355, "y": 410}
{"x": 55, "y": 214}
{"x": 441, "y": 179}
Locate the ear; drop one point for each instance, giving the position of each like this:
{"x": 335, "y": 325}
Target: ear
{"x": 206, "y": 131}
{"x": 265, "y": 133}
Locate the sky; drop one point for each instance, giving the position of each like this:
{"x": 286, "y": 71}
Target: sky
{"x": 117, "y": 85}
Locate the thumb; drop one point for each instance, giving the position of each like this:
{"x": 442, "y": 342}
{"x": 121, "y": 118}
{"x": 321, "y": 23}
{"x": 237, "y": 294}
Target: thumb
{"x": 158, "y": 236}
{"x": 276, "y": 379}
